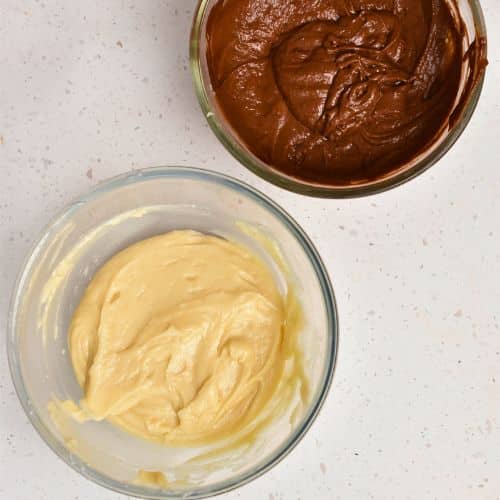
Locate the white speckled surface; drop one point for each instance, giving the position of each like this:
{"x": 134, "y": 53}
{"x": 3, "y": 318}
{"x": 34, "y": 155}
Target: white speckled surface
{"x": 92, "y": 89}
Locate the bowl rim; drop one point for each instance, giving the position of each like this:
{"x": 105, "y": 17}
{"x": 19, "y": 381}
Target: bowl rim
{"x": 151, "y": 174}
{"x": 400, "y": 176}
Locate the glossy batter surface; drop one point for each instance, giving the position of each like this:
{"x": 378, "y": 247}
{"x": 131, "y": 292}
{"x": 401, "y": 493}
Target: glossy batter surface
{"x": 335, "y": 91}
{"x": 178, "y": 338}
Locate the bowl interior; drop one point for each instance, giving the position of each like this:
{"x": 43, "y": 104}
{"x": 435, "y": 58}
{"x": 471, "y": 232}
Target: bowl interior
{"x": 92, "y": 230}
{"x": 469, "y": 19}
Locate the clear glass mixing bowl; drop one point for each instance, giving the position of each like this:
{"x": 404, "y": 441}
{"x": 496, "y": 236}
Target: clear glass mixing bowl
{"x": 475, "y": 48}
{"x": 116, "y": 214}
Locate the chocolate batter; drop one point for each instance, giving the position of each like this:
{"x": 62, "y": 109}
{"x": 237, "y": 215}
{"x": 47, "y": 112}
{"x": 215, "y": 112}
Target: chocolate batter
{"x": 336, "y": 92}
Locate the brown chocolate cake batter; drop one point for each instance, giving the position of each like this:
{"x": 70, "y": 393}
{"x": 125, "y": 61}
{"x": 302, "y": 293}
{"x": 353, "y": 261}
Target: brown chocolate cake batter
{"x": 335, "y": 91}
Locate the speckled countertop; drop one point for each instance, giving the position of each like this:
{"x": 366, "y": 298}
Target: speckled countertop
{"x": 92, "y": 89}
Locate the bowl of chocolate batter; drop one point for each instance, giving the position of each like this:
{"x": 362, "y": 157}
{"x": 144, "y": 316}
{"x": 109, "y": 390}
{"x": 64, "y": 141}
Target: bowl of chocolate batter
{"x": 338, "y": 98}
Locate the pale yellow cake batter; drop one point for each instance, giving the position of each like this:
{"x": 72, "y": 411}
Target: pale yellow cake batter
{"x": 178, "y": 338}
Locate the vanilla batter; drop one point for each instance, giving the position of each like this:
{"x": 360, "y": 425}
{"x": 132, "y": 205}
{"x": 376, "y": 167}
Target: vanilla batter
{"x": 178, "y": 338}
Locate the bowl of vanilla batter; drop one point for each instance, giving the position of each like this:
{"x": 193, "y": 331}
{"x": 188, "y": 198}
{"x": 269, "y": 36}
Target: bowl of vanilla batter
{"x": 338, "y": 98}
{"x": 173, "y": 333}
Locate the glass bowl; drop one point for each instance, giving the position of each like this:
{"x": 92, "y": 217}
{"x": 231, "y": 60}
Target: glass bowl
{"x": 116, "y": 214}
{"x": 475, "y": 62}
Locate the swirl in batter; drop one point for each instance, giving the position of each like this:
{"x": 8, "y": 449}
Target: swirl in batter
{"x": 335, "y": 91}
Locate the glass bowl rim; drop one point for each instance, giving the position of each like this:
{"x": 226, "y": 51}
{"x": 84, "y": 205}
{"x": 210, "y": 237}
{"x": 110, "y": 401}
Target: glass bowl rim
{"x": 307, "y": 246}
{"x": 258, "y": 167}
